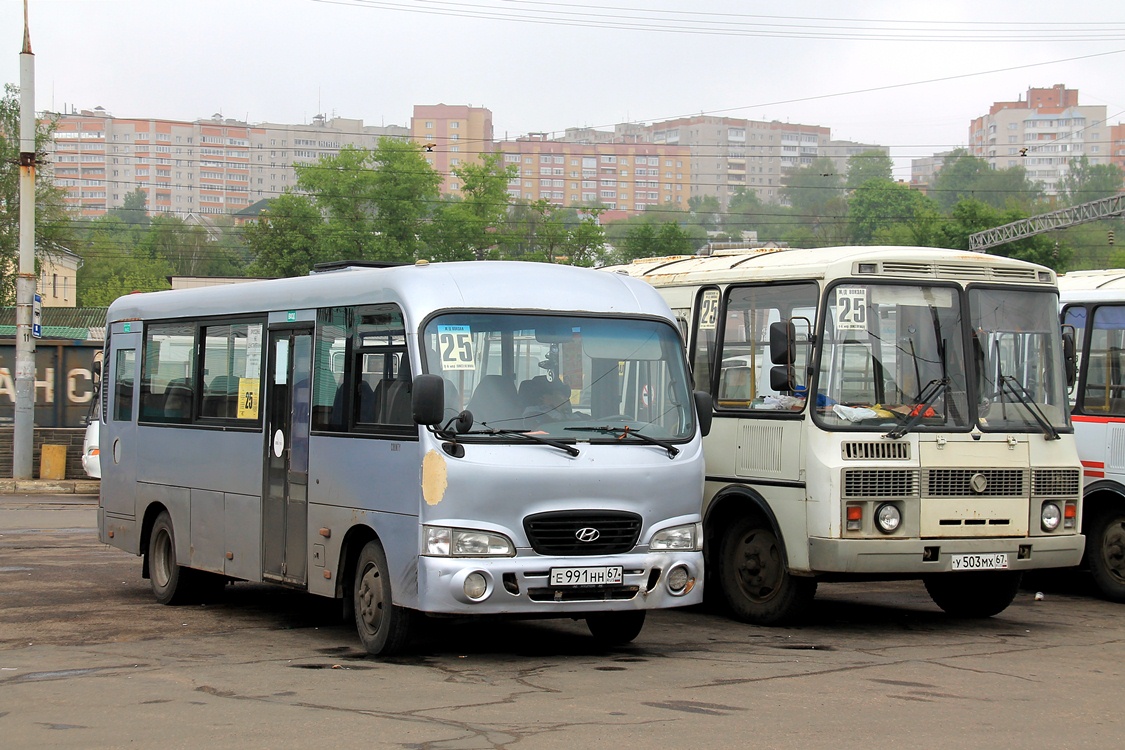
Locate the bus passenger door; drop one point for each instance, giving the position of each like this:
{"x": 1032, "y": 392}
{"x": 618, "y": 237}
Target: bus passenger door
{"x": 118, "y": 438}
{"x": 285, "y": 502}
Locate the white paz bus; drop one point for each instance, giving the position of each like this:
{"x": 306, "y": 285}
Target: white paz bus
{"x": 1093, "y": 304}
{"x": 456, "y": 439}
{"x": 880, "y": 412}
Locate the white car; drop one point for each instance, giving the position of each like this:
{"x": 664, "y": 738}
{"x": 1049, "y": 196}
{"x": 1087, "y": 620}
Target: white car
{"x": 91, "y": 449}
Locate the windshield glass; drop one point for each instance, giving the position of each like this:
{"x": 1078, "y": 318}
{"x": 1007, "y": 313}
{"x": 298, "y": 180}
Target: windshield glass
{"x": 549, "y": 374}
{"x": 1018, "y": 348}
{"x": 892, "y": 354}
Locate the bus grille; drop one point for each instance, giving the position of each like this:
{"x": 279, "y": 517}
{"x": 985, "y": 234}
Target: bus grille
{"x": 958, "y": 483}
{"x": 1055, "y": 482}
{"x": 858, "y": 449}
{"x": 557, "y": 532}
{"x": 880, "y": 483}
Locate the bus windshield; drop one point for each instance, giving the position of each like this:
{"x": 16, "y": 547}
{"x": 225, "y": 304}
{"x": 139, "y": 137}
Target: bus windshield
{"x": 893, "y": 355}
{"x": 1018, "y": 349}
{"x": 568, "y": 377}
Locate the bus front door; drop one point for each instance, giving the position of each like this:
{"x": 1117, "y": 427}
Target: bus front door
{"x": 285, "y": 511}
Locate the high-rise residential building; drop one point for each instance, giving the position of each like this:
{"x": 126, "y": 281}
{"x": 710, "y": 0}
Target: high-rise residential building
{"x": 840, "y": 152}
{"x": 1042, "y": 133}
{"x": 1117, "y": 145}
{"x": 923, "y": 171}
{"x": 626, "y": 177}
{"x": 453, "y": 136}
{"x": 730, "y": 154}
{"x": 204, "y": 167}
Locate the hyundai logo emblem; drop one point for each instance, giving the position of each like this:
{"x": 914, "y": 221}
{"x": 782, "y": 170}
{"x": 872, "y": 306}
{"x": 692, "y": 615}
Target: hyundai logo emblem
{"x": 587, "y": 534}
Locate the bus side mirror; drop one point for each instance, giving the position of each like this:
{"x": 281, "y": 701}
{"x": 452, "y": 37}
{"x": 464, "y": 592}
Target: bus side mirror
{"x": 704, "y": 409}
{"x": 783, "y": 342}
{"x": 427, "y": 399}
{"x": 783, "y": 378}
{"x": 1070, "y": 355}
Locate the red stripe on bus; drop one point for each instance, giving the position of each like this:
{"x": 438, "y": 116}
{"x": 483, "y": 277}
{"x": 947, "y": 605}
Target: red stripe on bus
{"x": 1096, "y": 420}
{"x": 1094, "y": 464}
{"x": 1094, "y": 474}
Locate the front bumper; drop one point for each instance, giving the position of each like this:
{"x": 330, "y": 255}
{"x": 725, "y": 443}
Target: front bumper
{"x": 520, "y": 585}
{"x": 924, "y": 556}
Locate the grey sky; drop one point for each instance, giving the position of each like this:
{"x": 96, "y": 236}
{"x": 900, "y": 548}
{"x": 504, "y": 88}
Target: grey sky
{"x": 546, "y": 66}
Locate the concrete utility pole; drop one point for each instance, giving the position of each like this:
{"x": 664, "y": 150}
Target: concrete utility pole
{"x": 23, "y": 437}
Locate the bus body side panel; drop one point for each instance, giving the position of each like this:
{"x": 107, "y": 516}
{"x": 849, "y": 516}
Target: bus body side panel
{"x": 767, "y": 454}
{"x": 219, "y": 486}
{"x": 366, "y": 481}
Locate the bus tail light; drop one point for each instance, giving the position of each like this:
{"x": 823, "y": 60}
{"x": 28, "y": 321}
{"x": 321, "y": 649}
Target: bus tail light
{"x": 855, "y": 517}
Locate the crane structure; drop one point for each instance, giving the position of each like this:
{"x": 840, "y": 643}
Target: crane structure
{"x": 1103, "y": 208}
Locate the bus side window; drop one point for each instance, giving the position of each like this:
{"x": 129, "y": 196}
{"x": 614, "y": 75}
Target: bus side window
{"x": 123, "y": 385}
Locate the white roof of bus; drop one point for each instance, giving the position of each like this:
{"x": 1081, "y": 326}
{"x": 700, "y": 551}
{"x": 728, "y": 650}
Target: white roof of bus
{"x": 768, "y": 264}
{"x": 418, "y": 289}
{"x": 1085, "y": 286}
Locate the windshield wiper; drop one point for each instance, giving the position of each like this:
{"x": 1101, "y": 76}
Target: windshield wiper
{"x": 1021, "y": 394}
{"x": 532, "y": 437}
{"x": 624, "y": 432}
{"x": 926, "y": 398}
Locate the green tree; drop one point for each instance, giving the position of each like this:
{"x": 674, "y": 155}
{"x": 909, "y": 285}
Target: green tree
{"x": 868, "y": 165}
{"x": 585, "y": 241}
{"x": 52, "y": 226}
{"x": 965, "y": 176}
{"x": 879, "y": 204}
{"x": 1086, "y": 182}
{"x": 134, "y": 208}
{"x": 970, "y": 216}
{"x": 114, "y": 263}
{"x": 375, "y": 202}
{"x": 470, "y": 227}
{"x": 285, "y": 240}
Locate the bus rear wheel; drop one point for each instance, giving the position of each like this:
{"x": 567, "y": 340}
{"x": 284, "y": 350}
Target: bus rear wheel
{"x": 754, "y": 579}
{"x": 976, "y": 594}
{"x": 1105, "y": 553}
{"x": 383, "y": 628}
{"x": 171, "y": 583}
{"x": 616, "y": 628}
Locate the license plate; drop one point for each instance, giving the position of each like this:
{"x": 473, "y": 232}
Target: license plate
{"x": 609, "y": 574}
{"x": 997, "y": 561}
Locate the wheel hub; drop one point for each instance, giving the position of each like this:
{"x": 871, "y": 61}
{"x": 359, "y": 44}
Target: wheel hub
{"x": 370, "y": 599}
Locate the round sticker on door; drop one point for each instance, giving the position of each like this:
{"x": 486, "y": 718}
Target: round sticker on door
{"x": 278, "y": 443}
{"x": 646, "y": 396}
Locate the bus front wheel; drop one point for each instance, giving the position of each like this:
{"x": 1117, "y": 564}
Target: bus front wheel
{"x": 616, "y": 628}
{"x": 1105, "y": 553}
{"x": 975, "y": 594}
{"x": 384, "y": 629}
{"x": 754, "y": 578}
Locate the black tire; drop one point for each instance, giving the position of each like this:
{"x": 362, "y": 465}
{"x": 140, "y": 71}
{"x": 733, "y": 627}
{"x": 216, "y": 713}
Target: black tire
{"x": 383, "y": 628}
{"x": 754, "y": 578}
{"x": 976, "y": 594}
{"x": 171, "y": 583}
{"x": 616, "y": 628}
{"x": 1105, "y": 553}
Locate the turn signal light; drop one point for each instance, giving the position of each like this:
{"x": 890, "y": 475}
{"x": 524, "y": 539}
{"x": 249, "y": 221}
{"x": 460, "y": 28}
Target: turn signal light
{"x": 855, "y": 517}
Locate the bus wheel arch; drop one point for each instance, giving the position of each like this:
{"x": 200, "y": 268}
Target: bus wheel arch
{"x": 750, "y": 564}
{"x": 1104, "y": 525}
{"x": 365, "y": 586}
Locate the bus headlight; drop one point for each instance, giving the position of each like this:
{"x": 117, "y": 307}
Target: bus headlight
{"x": 684, "y": 538}
{"x": 440, "y": 541}
{"x": 888, "y": 518}
{"x": 1050, "y": 516}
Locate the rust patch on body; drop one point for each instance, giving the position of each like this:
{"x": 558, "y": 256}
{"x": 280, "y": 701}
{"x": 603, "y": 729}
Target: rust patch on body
{"x": 434, "y": 479}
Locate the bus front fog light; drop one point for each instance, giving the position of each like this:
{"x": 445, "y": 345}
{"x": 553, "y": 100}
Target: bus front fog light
{"x": 1050, "y": 516}
{"x": 888, "y": 518}
{"x": 679, "y": 581}
{"x": 475, "y": 586}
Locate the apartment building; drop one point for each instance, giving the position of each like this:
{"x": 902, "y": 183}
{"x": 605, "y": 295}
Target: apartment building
{"x": 1117, "y": 145}
{"x": 204, "y": 167}
{"x": 453, "y": 136}
{"x": 730, "y": 154}
{"x": 628, "y": 177}
{"x": 1042, "y": 132}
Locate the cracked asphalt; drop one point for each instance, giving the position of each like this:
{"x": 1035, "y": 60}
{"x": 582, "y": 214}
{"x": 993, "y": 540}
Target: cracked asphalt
{"x": 88, "y": 659}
